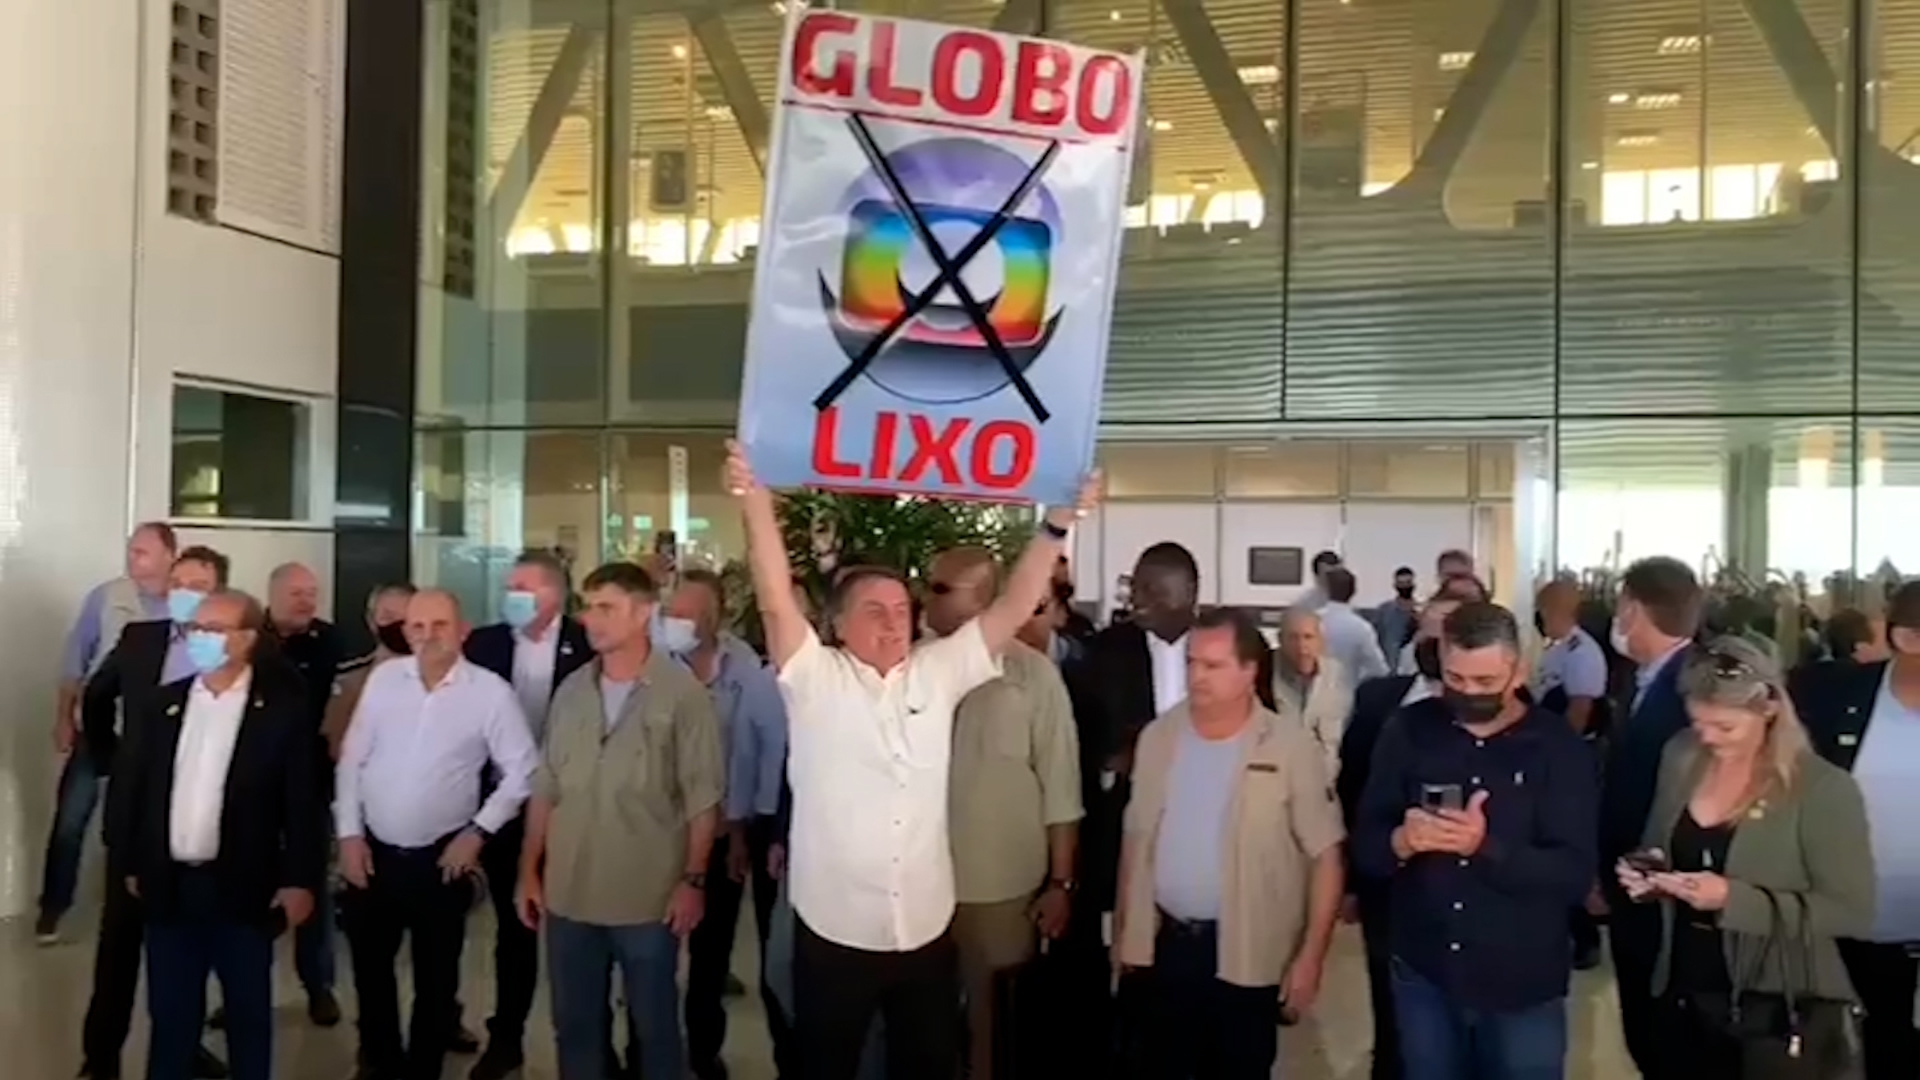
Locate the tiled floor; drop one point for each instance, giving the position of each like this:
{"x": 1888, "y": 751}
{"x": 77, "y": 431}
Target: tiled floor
{"x": 43, "y": 994}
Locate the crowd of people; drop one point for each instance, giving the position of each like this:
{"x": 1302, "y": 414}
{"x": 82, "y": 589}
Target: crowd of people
{"x": 982, "y": 836}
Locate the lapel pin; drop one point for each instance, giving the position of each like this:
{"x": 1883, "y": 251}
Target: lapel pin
{"x": 566, "y": 649}
{"x": 1849, "y": 739}
{"x": 173, "y": 710}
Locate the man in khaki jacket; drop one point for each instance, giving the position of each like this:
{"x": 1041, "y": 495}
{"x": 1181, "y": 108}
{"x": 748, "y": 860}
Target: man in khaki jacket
{"x": 620, "y": 829}
{"x": 1311, "y": 687}
{"x": 1230, "y": 868}
{"x": 1014, "y": 809}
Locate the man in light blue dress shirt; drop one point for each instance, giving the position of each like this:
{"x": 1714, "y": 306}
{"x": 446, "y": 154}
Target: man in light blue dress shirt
{"x": 1351, "y": 639}
{"x": 753, "y": 735}
{"x": 139, "y": 595}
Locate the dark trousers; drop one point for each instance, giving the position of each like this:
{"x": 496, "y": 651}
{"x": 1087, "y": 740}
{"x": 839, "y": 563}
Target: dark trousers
{"x": 1633, "y": 936}
{"x": 1081, "y": 974}
{"x": 1374, "y": 935}
{"x": 78, "y": 797}
{"x": 516, "y": 949}
{"x": 1444, "y": 1040}
{"x": 1884, "y": 976}
{"x": 837, "y": 992}
{"x": 198, "y": 937}
{"x": 116, "y": 979}
{"x": 1198, "y": 1027}
{"x": 406, "y": 898}
{"x": 710, "y": 952}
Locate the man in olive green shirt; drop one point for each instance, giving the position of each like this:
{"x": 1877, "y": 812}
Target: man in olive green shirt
{"x": 619, "y": 830}
{"x": 1014, "y": 809}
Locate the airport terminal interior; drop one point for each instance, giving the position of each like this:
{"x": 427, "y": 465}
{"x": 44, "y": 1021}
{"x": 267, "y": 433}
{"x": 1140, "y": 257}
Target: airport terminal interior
{"x": 402, "y": 288}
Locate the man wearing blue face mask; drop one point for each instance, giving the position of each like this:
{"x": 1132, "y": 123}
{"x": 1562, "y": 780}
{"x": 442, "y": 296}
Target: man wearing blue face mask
{"x": 147, "y": 656}
{"x": 535, "y": 647}
{"x": 753, "y": 737}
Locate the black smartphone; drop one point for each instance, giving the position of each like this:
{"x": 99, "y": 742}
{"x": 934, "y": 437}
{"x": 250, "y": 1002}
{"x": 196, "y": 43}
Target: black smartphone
{"x": 1648, "y": 860}
{"x": 1438, "y": 797}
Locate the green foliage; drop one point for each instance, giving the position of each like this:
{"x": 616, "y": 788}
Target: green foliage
{"x": 825, "y": 531}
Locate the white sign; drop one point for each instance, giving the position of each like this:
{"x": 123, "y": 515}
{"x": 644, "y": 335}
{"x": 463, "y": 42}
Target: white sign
{"x": 938, "y": 259}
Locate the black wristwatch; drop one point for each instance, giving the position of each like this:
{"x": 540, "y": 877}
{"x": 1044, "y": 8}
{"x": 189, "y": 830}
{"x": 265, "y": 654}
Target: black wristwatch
{"x": 694, "y": 879}
{"x": 481, "y": 831}
{"x": 1058, "y": 532}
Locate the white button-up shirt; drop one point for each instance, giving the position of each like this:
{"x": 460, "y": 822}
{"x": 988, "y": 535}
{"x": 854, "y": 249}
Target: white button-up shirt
{"x": 870, "y": 864}
{"x": 201, "y": 759}
{"x": 533, "y": 667}
{"x": 1169, "y": 671}
{"x": 410, "y": 768}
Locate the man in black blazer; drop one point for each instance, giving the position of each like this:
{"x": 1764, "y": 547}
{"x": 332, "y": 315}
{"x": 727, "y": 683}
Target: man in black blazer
{"x": 1859, "y": 716}
{"x": 535, "y": 648}
{"x": 1375, "y": 703}
{"x": 1126, "y": 675}
{"x": 220, "y": 837}
{"x": 1655, "y": 619}
{"x": 148, "y": 656}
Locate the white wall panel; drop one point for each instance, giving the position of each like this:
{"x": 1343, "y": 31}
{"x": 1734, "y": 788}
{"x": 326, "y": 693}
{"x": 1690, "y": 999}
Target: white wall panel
{"x": 1311, "y": 527}
{"x": 1127, "y": 529}
{"x": 1382, "y": 537}
{"x": 81, "y": 147}
{"x": 66, "y": 256}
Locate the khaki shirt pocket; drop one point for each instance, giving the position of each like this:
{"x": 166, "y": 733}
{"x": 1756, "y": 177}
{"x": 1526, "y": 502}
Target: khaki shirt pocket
{"x": 1266, "y": 795}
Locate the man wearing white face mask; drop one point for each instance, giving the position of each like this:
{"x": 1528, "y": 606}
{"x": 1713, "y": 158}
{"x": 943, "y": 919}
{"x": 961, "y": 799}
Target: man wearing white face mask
{"x": 753, "y": 738}
{"x": 535, "y": 647}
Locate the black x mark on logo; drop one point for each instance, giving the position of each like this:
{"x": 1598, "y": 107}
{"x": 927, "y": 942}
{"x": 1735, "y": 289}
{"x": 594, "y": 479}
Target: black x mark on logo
{"x": 950, "y": 265}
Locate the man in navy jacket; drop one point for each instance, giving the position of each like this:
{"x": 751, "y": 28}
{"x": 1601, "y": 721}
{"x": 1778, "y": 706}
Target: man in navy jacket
{"x": 535, "y": 648}
{"x": 1654, "y": 621}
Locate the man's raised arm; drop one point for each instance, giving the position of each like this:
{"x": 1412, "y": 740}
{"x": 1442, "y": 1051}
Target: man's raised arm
{"x": 786, "y": 625}
{"x": 1032, "y": 578}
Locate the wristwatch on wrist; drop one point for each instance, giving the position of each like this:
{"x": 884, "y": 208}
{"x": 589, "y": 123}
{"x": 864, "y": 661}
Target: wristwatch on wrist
{"x": 480, "y": 830}
{"x": 1058, "y": 532}
{"x": 1064, "y": 884}
{"x": 694, "y": 879}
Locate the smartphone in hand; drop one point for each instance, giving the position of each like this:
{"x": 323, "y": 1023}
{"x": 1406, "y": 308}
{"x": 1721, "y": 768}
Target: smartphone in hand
{"x": 1650, "y": 860}
{"x": 1437, "y": 797}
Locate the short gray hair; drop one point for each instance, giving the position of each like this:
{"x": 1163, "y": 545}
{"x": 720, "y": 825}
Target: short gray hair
{"x": 1481, "y": 625}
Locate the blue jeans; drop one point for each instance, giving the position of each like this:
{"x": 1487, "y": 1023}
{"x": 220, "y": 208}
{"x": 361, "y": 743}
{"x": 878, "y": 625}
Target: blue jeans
{"x": 1441, "y": 1041}
{"x": 580, "y": 957}
{"x": 79, "y": 795}
{"x": 313, "y": 955}
{"x": 182, "y": 949}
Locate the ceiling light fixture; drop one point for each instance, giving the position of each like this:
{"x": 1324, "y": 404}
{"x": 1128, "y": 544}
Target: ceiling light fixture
{"x": 1637, "y": 138}
{"x": 1163, "y": 125}
{"x": 1651, "y": 100}
{"x": 1681, "y": 44}
{"x": 1619, "y": 97}
{"x": 679, "y": 52}
{"x": 1455, "y": 61}
{"x": 1260, "y": 74}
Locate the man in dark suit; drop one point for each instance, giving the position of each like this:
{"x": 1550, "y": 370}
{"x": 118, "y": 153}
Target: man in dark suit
{"x": 313, "y": 646}
{"x": 220, "y": 836}
{"x": 1127, "y": 674}
{"x": 148, "y": 656}
{"x": 1860, "y": 714}
{"x": 535, "y": 648}
{"x": 1655, "y": 619}
{"x": 1375, "y": 703}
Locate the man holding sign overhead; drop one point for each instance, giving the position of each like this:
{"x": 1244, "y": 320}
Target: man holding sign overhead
{"x": 870, "y": 742}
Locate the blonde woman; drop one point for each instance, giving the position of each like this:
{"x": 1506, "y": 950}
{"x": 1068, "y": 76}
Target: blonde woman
{"x": 1756, "y": 851}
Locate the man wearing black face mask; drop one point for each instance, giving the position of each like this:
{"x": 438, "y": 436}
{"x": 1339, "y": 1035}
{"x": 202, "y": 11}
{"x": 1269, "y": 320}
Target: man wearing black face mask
{"x": 1482, "y": 814}
{"x": 386, "y": 617}
{"x": 1398, "y": 619}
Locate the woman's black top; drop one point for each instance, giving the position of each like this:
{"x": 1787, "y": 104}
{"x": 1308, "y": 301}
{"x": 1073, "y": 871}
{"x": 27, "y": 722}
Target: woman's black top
{"x": 1699, "y": 958}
